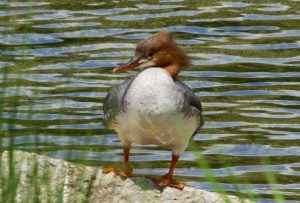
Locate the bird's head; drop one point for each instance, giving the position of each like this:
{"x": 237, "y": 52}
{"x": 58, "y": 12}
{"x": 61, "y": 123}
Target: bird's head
{"x": 159, "y": 50}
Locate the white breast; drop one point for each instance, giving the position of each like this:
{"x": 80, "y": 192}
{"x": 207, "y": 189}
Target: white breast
{"x": 152, "y": 116}
{"x": 153, "y": 92}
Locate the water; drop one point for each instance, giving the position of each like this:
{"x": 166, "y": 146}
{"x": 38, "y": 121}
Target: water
{"x": 56, "y": 62}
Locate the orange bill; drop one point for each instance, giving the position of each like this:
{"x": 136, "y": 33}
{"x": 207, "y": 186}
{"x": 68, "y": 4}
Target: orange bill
{"x": 130, "y": 65}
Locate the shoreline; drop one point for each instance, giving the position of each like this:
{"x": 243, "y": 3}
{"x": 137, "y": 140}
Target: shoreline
{"x": 55, "y": 180}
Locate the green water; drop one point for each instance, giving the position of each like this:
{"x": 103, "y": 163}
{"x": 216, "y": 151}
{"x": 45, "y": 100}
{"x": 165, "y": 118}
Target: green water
{"x": 56, "y": 62}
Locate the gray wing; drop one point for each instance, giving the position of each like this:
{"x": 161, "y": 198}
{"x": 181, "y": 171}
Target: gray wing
{"x": 192, "y": 104}
{"x": 112, "y": 104}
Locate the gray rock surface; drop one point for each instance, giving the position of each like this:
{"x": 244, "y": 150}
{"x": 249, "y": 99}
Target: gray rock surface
{"x": 55, "y": 180}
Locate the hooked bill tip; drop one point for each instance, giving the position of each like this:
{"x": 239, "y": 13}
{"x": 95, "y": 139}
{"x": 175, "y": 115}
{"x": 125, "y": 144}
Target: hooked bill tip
{"x": 115, "y": 70}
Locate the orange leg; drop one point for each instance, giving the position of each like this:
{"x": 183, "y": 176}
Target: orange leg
{"x": 167, "y": 180}
{"x": 126, "y": 168}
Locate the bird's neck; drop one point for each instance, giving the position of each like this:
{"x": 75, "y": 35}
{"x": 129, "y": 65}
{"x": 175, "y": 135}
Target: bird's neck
{"x": 173, "y": 70}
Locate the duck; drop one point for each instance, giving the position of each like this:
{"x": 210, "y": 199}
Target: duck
{"x": 154, "y": 107}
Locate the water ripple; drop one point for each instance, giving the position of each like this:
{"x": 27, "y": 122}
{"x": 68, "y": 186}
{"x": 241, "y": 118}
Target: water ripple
{"x": 5, "y": 64}
{"x": 261, "y": 46}
{"x": 153, "y": 15}
{"x": 66, "y": 25}
{"x": 56, "y": 62}
{"x": 30, "y": 38}
{"x": 157, "y": 7}
{"x": 61, "y": 51}
{"x": 253, "y": 150}
{"x": 214, "y": 59}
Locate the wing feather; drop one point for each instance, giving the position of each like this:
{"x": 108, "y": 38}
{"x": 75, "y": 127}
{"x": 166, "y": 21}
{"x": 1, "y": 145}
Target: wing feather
{"x": 191, "y": 102}
{"x": 113, "y": 102}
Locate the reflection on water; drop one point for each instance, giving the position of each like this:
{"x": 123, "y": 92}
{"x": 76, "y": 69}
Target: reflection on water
{"x": 56, "y": 61}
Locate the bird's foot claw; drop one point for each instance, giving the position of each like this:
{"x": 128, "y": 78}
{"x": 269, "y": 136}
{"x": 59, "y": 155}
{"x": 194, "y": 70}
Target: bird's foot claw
{"x": 122, "y": 173}
{"x": 109, "y": 170}
{"x": 164, "y": 182}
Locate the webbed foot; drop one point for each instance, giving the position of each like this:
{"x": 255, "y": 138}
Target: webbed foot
{"x": 166, "y": 181}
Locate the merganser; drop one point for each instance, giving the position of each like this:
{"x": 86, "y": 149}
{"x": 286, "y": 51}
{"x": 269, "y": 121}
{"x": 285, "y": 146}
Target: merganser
{"x": 154, "y": 107}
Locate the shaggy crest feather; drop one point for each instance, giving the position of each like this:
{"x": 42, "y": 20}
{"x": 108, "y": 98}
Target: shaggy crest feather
{"x": 164, "y": 43}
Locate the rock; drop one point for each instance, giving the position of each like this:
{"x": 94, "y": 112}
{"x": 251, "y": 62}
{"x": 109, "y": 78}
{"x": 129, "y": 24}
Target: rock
{"x": 54, "y": 180}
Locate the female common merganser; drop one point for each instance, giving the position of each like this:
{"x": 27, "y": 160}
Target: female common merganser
{"x": 154, "y": 107}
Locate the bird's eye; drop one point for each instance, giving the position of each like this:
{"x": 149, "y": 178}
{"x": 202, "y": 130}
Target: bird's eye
{"x": 150, "y": 54}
